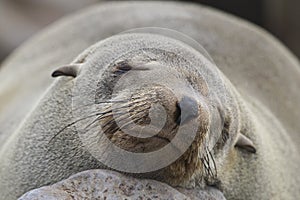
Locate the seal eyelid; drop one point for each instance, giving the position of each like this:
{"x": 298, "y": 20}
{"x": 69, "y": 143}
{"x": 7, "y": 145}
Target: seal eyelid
{"x": 121, "y": 68}
{"x": 124, "y": 67}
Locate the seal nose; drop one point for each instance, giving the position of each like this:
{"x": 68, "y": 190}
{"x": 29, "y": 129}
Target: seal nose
{"x": 187, "y": 109}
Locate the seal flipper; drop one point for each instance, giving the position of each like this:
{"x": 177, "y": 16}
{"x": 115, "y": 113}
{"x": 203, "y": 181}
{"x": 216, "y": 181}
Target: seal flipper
{"x": 68, "y": 70}
{"x": 245, "y": 143}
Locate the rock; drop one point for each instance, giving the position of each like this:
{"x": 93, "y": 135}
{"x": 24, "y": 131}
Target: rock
{"x": 105, "y": 184}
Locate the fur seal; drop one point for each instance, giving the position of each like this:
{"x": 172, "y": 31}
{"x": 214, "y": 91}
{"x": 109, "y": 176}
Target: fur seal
{"x": 243, "y": 98}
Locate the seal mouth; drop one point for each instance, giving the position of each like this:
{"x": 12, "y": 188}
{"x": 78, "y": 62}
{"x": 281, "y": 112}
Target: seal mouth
{"x": 165, "y": 139}
{"x": 131, "y": 143}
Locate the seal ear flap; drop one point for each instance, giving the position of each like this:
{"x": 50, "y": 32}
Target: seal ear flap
{"x": 68, "y": 70}
{"x": 245, "y": 143}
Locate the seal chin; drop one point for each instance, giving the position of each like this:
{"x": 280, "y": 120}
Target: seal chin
{"x": 189, "y": 165}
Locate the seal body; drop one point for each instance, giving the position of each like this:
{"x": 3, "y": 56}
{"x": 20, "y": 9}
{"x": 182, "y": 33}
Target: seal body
{"x": 262, "y": 76}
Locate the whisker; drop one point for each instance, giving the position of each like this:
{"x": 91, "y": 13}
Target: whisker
{"x": 74, "y": 122}
{"x": 92, "y": 115}
{"x": 72, "y": 110}
{"x": 123, "y": 125}
{"x": 101, "y": 117}
{"x": 130, "y": 121}
{"x": 206, "y": 160}
{"x": 214, "y": 164}
{"x": 103, "y": 114}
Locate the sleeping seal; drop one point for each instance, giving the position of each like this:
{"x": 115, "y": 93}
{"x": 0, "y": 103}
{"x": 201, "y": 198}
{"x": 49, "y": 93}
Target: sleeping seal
{"x": 152, "y": 105}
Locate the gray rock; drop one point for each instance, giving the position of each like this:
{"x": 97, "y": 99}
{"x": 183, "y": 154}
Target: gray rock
{"x": 105, "y": 184}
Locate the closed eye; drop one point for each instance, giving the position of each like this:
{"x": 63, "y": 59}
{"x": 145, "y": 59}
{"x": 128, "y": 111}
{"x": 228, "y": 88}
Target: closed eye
{"x": 121, "y": 68}
{"x": 124, "y": 67}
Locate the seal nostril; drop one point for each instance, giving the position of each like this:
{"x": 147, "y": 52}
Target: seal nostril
{"x": 187, "y": 109}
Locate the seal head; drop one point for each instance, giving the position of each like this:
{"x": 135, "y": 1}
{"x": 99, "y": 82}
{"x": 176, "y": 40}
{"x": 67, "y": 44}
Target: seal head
{"x": 153, "y": 106}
